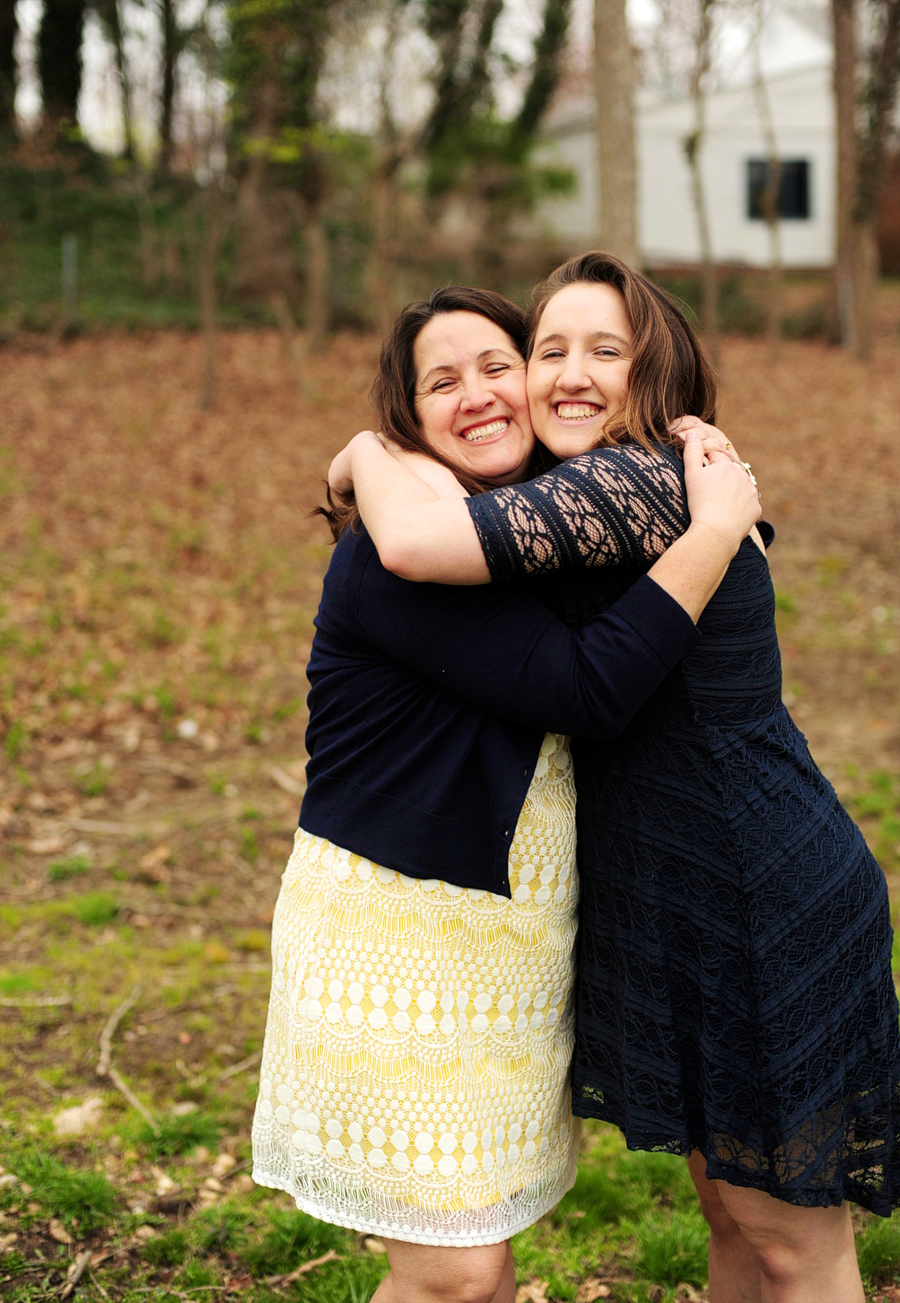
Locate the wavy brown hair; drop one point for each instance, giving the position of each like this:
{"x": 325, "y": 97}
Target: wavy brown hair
{"x": 394, "y": 389}
{"x": 670, "y": 375}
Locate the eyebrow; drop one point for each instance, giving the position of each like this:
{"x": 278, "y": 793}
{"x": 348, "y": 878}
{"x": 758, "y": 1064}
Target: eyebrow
{"x": 592, "y": 338}
{"x": 447, "y": 369}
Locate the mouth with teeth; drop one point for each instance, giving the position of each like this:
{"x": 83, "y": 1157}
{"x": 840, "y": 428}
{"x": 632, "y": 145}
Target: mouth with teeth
{"x": 490, "y": 430}
{"x": 577, "y": 411}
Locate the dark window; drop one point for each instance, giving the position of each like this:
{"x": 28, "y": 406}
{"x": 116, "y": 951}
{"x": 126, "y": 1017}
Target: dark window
{"x": 793, "y": 189}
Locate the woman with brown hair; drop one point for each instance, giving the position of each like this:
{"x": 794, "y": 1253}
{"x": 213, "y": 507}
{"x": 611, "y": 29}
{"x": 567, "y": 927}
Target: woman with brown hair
{"x": 734, "y": 993}
{"x": 415, "y": 1073}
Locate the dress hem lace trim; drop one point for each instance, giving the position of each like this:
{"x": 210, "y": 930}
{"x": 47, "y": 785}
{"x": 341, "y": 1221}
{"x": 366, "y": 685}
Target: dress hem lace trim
{"x": 364, "y": 1227}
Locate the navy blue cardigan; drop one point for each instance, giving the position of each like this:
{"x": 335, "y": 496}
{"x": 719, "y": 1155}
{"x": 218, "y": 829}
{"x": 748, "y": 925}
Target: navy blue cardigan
{"x": 428, "y": 705}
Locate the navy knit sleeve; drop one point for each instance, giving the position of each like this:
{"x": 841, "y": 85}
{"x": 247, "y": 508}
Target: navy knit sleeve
{"x": 606, "y": 507}
{"x": 506, "y": 653}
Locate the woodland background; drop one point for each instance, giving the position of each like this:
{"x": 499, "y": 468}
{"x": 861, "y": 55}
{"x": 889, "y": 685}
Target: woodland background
{"x": 196, "y": 265}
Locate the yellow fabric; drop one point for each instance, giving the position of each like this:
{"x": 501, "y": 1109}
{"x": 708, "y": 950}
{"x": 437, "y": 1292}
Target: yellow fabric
{"x": 414, "y": 1081}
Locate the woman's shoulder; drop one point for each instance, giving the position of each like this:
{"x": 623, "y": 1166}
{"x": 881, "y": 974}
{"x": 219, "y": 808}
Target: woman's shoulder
{"x": 629, "y": 462}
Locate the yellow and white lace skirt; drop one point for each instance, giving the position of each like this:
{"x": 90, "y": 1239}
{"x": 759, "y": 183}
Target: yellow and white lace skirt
{"x": 414, "y": 1080}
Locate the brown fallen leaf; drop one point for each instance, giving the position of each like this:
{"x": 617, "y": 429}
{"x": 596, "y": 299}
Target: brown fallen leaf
{"x": 58, "y": 1232}
{"x": 534, "y": 1291}
{"x": 44, "y": 845}
{"x": 592, "y": 1289}
{"x": 152, "y": 865}
{"x": 80, "y": 1117}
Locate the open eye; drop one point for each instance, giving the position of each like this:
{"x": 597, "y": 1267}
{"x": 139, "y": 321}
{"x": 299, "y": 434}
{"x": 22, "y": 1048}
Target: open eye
{"x": 549, "y": 354}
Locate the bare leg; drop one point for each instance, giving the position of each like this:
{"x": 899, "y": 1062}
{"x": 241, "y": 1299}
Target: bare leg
{"x": 801, "y": 1255}
{"x": 734, "y": 1273}
{"x": 421, "y": 1273}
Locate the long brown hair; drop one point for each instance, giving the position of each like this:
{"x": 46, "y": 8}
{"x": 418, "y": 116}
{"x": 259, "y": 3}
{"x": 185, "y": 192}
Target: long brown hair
{"x": 670, "y": 375}
{"x": 394, "y": 389}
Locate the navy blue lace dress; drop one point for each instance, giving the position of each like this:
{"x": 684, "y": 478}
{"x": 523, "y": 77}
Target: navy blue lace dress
{"x": 734, "y": 991}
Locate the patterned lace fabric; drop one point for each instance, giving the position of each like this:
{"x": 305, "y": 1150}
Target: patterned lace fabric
{"x": 600, "y": 509}
{"x": 415, "y": 1073}
{"x": 734, "y": 990}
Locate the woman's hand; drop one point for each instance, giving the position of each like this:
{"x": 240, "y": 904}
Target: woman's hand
{"x": 721, "y": 494}
{"x": 712, "y": 438}
{"x": 340, "y": 472}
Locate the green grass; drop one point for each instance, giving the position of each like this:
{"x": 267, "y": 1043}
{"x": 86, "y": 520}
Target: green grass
{"x": 878, "y": 1249}
{"x": 62, "y": 870}
{"x": 82, "y": 1200}
{"x": 179, "y": 1134}
{"x": 94, "y": 909}
{"x": 672, "y": 1249}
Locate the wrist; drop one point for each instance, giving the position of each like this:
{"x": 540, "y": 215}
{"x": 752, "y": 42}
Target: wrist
{"x": 719, "y": 537}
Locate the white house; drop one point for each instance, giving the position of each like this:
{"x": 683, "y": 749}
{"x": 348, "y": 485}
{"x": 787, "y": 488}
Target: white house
{"x": 796, "y": 65}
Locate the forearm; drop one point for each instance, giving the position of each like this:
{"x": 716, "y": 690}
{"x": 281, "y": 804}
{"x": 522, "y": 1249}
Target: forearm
{"x": 418, "y": 535}
{"x": 692, "y": 568}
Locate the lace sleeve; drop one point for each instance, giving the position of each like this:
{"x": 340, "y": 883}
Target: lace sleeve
{"x": 606, "y": 507}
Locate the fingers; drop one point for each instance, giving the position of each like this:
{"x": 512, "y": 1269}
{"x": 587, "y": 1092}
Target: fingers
{"x": 693, "y": 452}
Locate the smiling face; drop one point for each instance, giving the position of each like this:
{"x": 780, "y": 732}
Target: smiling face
{"x": 470, "y": 396}
{"x": 578, "y": 369}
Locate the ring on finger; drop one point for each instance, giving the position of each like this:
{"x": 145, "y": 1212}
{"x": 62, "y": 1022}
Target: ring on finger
{"x": 746, "y": 466}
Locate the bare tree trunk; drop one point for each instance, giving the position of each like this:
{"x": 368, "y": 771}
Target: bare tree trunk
{"x": 384, "y": 191}
{"x": 865, "y": 280}
{"x": 384, "y": 198}
{"x": 843, "y": 14}
{"x": 167, "y": 90}
{"x": 318, "y": 279}
{"x": 614, "y": 98}
{"x": 113, "y": 15}
{"x": 693, "y": 146}
{"x": 8, "y": 31}
{"x": 292, "y": 349}
{"x": 770, "y": 197}
{"x": 208, "y": 254}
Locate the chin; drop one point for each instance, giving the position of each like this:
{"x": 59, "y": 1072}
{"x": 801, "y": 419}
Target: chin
{"x": 570, "y": 445}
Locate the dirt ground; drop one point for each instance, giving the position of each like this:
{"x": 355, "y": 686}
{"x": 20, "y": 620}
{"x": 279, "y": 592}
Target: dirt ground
{"x": 159, "y": 572}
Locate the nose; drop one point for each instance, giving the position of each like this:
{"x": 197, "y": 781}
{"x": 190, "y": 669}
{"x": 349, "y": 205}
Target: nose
{"x": 572, "y": 374}
{"x": 475, "y": 395}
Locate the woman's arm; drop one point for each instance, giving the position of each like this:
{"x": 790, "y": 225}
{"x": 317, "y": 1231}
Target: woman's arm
{"x": 505, "y": 653}
{"x": 422, "y": 538}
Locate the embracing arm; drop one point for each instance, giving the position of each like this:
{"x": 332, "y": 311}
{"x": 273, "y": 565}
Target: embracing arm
{"x": 505, "y": 653}
{"x": 422, "y": 537}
